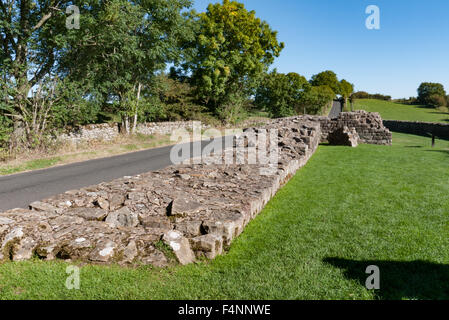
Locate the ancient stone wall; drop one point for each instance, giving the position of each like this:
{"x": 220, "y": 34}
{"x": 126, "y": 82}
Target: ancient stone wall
{"x": 195, "y": 210}
{"x": 440, "y": 130}
{"x": 368, "y": 125}
{"x": 108, "y": 132}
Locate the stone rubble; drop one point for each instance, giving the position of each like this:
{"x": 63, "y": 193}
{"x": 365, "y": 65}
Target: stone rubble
{"x": 344, "y": 137}
{"x": 195, "y": 210}
{"x": 368, "y": 125}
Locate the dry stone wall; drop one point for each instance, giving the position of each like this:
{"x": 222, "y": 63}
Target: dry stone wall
{"x": 195, "y": 210}
{"x": 426, "y": 129}
{"x": 108, "y": 132}
{"x": 165, "y": 128}
{"x": 102, "y": 132}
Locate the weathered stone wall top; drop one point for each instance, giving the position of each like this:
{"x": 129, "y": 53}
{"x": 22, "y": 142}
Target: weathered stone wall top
{"x": 368, "y": 125}
{"x": 195, "y": 209}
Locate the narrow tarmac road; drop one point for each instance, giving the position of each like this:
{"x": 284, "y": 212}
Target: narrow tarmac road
{"x": 336, "y": 110}
{"x": 19, "y": 190}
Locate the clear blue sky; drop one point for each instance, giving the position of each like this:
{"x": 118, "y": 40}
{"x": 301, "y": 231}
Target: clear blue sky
{"x": 411, "y": 47}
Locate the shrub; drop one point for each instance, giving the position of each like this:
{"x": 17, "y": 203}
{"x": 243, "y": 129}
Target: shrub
{"x": 366, "y": 95}
{"x": 315, "y": 100}
{"x": 279, "y": 93}
{"x": 428, "y": 91}
{"x": 437, "y": 101}
{"x": 360, "y": 95}
{"x": 409, "y": 101}
{"x": 172, "y": 99}
{"x": 5, "y": 134}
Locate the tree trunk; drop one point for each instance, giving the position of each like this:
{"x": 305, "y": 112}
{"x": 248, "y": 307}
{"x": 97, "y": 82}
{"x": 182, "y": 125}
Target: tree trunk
{"x": 125, "y": 124}
{"x": 133, "y": 131}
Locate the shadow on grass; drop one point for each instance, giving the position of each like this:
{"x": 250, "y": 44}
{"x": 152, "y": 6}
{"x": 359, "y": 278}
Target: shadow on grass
{"x": 400, "y": 279}
{"x": 440, "y": 151}
{"x": 422, "y": 106}
{"x": 443, "y": 113}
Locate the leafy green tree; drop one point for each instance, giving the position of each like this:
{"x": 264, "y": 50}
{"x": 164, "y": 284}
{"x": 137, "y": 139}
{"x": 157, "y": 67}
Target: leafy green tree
{"x": 428, "y": 89}
{"x": 31, "y": 37}
{"x": 122, "y": 46}
{"x": 437, "y": 101}
{"x": 77, "y": 103}
{"x": 280, "y": 94}
{"x": 176, "y": 98}
{"x": 346, "y": 90}
{"x": 232, "y": 51}
{"x": 5, "y": 133}
{"x": 315, "y": 100}
{"x": 326, "y": 78}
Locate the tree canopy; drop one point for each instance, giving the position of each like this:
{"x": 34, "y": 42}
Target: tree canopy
{"x": 346, "y": 89}
{"x": 326, "y": 78}
{"x": 124, "y": 44}
{"x": 59, "y": 69}
{"x": 280, "y": 94}
{"x": 233, "y": 49}
{"x": 430, "y": 93}
{"x": 316, "y": 99}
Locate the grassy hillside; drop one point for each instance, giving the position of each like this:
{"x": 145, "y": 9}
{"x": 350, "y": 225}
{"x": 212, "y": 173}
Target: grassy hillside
{"x": 395, "y": 111}
{"x": 346, "y": 210}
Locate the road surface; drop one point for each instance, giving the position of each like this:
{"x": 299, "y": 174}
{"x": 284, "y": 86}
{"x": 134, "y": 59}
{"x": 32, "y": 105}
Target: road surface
{"x": 19, "y": 190}
{"x": 336, "y": 110}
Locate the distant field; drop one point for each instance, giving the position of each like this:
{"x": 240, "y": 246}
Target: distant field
{"x": 395, "y": 111}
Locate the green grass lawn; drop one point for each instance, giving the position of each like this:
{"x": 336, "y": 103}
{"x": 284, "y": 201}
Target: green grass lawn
{"x": 346, "y": 210}
{"x": 396, "y": 111}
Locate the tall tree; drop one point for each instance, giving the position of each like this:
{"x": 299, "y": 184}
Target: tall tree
{"x": 31, "y": 37}
{"x": 428, "y": 92}
{"x": 346, "y": 90}
{"x": 280, "y": 94}
{"x": 123, "y": 45}
{"x": 316, "y": 99}
{"x": 233, "y": 50}
{"x": 326, "y": 78}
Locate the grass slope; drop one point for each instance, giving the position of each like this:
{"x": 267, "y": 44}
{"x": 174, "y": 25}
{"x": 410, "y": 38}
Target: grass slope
{"x": 347, "y": 209}
{"x": 396, "y": 111}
